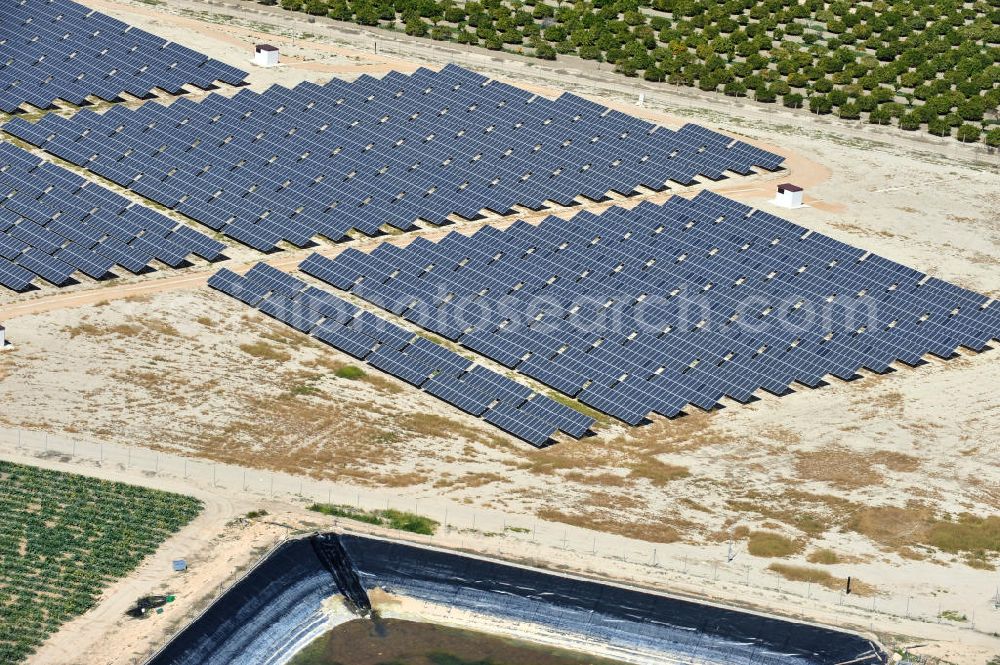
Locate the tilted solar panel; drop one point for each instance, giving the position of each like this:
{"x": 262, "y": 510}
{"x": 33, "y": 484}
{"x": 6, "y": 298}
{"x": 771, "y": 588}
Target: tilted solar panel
{"x": 56, "y": 223}
{"x": 45, "y": 266}
{"x": 15, "y": 277}
{"x": 513, "y": 407}
{"x": 294, "y": 164}
{"x": 58, "y": 49}
{"x": 654, "y": 308}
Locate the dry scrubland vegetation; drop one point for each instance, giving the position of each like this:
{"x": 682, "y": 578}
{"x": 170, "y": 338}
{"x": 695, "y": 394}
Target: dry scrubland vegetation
{"x": 821, "y": 577}
{"x": 887, "y": 470}
{"x": 393, "y": 519}
{"x": 296, "y": 404}
{"x": 197, "y": 373}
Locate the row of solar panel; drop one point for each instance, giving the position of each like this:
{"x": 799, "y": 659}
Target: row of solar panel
{"x": 323, "y": 160}
{"x": 509, "y": 405}
{"x": 653, "y": 308}
{"x": 275, "y": 115}
{"x": 59, "y": 49}
{"x": 691, "y": 139}
{"x": 53, "y": 223}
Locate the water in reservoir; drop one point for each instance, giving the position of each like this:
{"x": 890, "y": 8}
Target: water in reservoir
{"x": 398, "y": 642}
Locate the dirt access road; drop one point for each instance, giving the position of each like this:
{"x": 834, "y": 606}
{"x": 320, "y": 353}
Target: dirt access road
{"x": 926, "y": 205}
{"x": 90, "y": 292}
{"x": 218, "y": 549}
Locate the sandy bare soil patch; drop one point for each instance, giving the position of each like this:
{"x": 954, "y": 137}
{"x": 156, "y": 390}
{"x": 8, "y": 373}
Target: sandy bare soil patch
{"x": 889, "y": 478}
{"x": 198, "y": 373}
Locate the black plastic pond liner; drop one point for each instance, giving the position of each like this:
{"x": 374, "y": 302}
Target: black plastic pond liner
{"x": 277, "y": 607}
{"x": 334, "y": 558}
{"x": 487, "y": 586}
{"x": 283, "y": 591}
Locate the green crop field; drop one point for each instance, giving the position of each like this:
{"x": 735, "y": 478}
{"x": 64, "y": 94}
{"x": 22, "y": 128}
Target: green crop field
{"x": 923, "y": 65}
{"x": 63, "y": 538}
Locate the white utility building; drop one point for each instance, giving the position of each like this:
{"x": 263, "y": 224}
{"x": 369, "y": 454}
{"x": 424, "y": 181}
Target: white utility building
{"x": 265, "y": 55}
{"x": 3, "y": 337}
{"x": 788, "y": 196}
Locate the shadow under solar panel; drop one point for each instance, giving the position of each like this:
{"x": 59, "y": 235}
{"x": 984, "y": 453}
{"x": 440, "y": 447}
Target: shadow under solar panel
{"x": 53, "y": 223}
{"x": 58, "y": 49}
{"x": 475, "y": 389}
{"x": 654, "y": 308}
{"x": 296, "y": 164}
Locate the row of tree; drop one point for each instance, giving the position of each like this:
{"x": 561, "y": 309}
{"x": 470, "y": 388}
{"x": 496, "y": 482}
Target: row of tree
{"x": 930, "y": 64}
{"x": 63, "y": 538}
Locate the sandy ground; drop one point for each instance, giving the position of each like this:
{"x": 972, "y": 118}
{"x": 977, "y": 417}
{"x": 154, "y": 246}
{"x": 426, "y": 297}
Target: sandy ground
{"x": 215, "y": 546}
{"x": 156, "y": 361}
{"x": 219, "y": 548}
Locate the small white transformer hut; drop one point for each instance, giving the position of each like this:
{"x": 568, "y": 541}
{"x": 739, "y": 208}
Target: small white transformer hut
{"x": 788, "y": 196}
{"x": 265, "y": 55}
{"x": 3, "y": 337}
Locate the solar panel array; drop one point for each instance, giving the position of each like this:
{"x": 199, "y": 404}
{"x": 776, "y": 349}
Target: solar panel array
{"x": 57, "y": 49}
{"x": 507, "y": 404}
{"x": 651, "y": 309}
{"x": 321, "y": 160}
{"x": 54, "y": 223}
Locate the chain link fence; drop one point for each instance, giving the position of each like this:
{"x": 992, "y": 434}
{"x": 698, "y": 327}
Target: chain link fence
{"x": 491, "y": 532}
